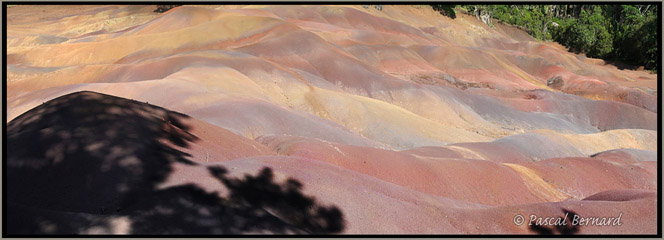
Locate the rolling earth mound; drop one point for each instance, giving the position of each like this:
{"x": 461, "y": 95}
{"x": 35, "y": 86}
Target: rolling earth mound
{"x": 322, "y": 119}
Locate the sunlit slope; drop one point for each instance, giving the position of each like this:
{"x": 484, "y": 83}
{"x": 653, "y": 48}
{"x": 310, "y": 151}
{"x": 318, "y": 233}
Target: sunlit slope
{"x": 406, "y": 120}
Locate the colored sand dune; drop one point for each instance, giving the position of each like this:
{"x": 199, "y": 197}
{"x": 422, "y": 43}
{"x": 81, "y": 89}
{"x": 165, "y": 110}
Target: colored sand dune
{"x": 316, "y": 119}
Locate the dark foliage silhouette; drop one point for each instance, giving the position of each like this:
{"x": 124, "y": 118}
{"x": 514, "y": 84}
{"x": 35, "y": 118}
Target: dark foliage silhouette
{"x": 165, "y": 8}
{"x": 84, "y": 160}
{"x": 567, "y": 229}
{"x": 97, "y": 140}
{"x": 285, "y": 200}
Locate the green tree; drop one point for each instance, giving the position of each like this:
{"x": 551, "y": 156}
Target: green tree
{"x": 625, "y": 33}
{"x": 445, "y": 9}
{"x": 593, "y": 36}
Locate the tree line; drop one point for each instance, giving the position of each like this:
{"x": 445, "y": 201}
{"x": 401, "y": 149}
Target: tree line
{"x": 619, "y": 33}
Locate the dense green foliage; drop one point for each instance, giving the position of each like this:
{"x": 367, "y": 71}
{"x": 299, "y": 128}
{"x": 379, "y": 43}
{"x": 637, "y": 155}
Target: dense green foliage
{"x": 621, "y": 33}
{"x": 445, "y": 9}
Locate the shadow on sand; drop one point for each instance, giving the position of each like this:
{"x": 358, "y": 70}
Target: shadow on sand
{"x": 92, "y": 163}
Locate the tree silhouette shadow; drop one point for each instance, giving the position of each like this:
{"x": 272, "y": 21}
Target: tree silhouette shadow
{"x": 567, "y": 229}
{"x": 84, "y": 160}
